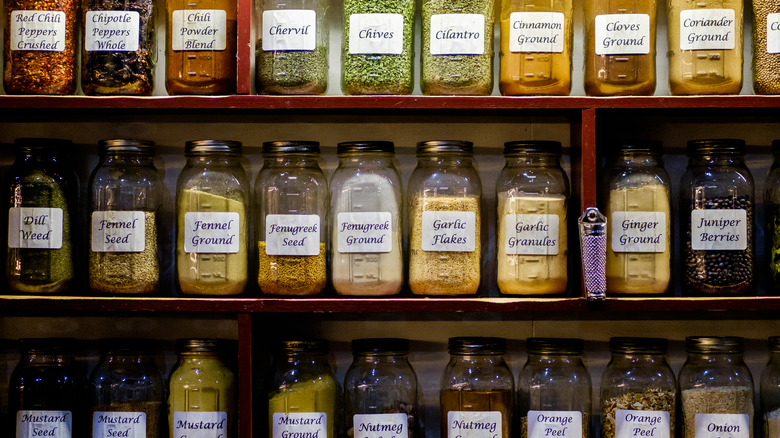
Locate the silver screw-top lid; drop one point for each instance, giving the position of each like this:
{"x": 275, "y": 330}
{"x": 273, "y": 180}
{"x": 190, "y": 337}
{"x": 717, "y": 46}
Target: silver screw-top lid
{"x": 633, "y": 345}
{"x": 715, "y": 344}
{"x": 477, "y": 345}
{"x": 365, "y": 146}
{"x": 554, "y": 345}
{"x": 205, "y": 147}
{"x": 121, "y": 145}
{"x": 444, "y": 146}
{"x": 291, "y": 147}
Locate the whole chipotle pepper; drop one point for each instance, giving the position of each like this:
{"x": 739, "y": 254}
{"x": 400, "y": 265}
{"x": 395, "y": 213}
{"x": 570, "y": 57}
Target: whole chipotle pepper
{"x": 201, "y": 49}
{"x": 40, "y": 46}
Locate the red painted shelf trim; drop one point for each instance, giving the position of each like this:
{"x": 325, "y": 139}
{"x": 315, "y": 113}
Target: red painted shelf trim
{"x": 253, "y": 102}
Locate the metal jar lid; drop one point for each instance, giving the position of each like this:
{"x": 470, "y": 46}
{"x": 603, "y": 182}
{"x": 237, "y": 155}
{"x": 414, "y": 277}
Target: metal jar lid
{"x": 533, "y": 146}
{"x": 205, "y": 147}
{"x": 365, "y": 146}
{"x": 439, "y": 146}
{"x": 380, "y": 345}
{"x": 715, "y": 344}
{"x": 29, "y": 144}
{"x": 137, "y": 346}
{"x": 61, "y": 346}
{"x": 201, "y": 345}
{"x": 633, "y": 345}
{"x": 477, "y": 345}
{"x": 642, "y": 146}
{"x": 716, "y": 146}
{"x": 141, "y": 147}
{"x": 555, "y": 346}
{"x": 774, "y": 344}
{"x": 316, "y": 346}
{"x": 291, "y": 147}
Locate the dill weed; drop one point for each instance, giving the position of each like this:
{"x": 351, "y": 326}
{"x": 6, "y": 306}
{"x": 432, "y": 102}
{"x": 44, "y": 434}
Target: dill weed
{"x": 378, "y": 62}
{"x": 452, "y": 60}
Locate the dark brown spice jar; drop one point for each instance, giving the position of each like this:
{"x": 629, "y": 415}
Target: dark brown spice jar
{"x": 45, "y": 64}
{"x": 201, "y": 47}
{"x": 123, "y": 64}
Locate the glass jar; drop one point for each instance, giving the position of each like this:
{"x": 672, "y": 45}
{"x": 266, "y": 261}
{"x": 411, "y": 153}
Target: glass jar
{"x": 212, "y": 198}
{"x": 292, "y": 47}
{"x": 620, "y": 47}
{"x": 380, "y": 389}
{"x": 536, "y": 47}
{"x": 533, "y": 197}
{"x": 457, "y": 47}
{"x": 705, "y": 46}
{"x": 202, "y": 390}
{"x": 201, "y": 47}
{"x": 638, "y": 378}
{"x": 770, "y": 390}
{"x": 47, "y": 391}
{"x": 445, "y": 194}
{"x": 41, "y": 40}
{"x": 772, "y": 213}
{"x": 119, "y": 52}
{"x": 638, "y": 206}
{"x": 766, "y": 50}
{"x": 128, "y": 390}
{"x": 378, "y": 47}
{"x": 292, "y": 201}
{"x": 554, "y": 389}
{"x": 42, "y": 195}
{"x": 716, "y": 388}
{"x": 477, "y": 389}
{"x": 125, "y": 196}
{"x": 716, "y": 196}
{"x": 302, "y": 391}
{"x": 366, "y": 247}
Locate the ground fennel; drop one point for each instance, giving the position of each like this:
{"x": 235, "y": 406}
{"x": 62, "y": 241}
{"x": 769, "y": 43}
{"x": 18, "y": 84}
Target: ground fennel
{"x": 379, "y": 73}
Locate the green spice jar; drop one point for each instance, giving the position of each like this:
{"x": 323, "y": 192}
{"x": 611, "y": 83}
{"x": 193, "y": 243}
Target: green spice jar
{"x": 292, "y": 49}
{"x": 125, "y": 197}
{"x": 772, "y": 205}
{"x": 457, "y": 47}
{"x": 42, "y": 194}
{"x": 202, "y": 390}
{"x": 377, "y": 47}
{"x": 118, "y": 51}
{"x": 212, "y": 196}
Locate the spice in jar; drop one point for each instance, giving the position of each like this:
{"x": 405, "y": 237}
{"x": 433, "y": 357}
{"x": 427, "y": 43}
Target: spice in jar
{"x": 201, "y": 49}
{"x": 118, "y": 54}
{"x": 705, "y": 46}
{"x": 211, "y": 198}
{"x": 536, "y": 47}
{"x": 770, "y": 390}
{"x": 291, "y": 61}
{"x": 40, "y": 46}
{"x": 457, "y": 47}
{"x": 772, "y": 215}
{"x": 652, "y": 399}
{"x": 374, "y": 61}
{"x": 620, "y": 48}
{"x": 292, "y": 197}
{"x": 128, "y": 272}
{"x": 40, "y": 238}
{"x": 766, "y": 48}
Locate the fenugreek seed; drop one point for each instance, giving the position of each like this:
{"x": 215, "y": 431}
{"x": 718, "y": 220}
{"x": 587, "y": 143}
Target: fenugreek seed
{"x": 291, "y": 275}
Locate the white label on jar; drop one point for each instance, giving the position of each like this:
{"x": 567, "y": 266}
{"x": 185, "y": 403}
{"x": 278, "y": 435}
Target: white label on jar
{"x": 300, "y": 424}
{"x": 38, "y": 30}
{"x": 458, "y": 34}
{"x": 289, "y": 29}
{"x": 638, "y": 231}
{"x": 119, "y": 424}
{"x": 633, "y": 424}
{"x": 558, "y": 424}
{"x": 722, "y": 426}
{"x": 118, "y": 231}
{"x": 719, "y": 230}
{"x": 199, "y": 29}
{"x": 380, "y": 426}
{"x": 112, "y": 31}
{"x": 211, "y": 232}
{"x": 200, "y": 424}
{"x": 473, "y": 424}
{"x": 365, "y": 232}
{"x": 376, "y": 34}
{"x": 449, "y": 231}
{"x": 33, "y": 424}
{"x": 536, "y": 32}
{"x": 708, "y": 29}
{"x": 292, "y": 234}
{"x": 773, "y": 33}
{"x": 35, "y": 228}
{"x": 531, "y": 234}
{"x": 622, "y": 34}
